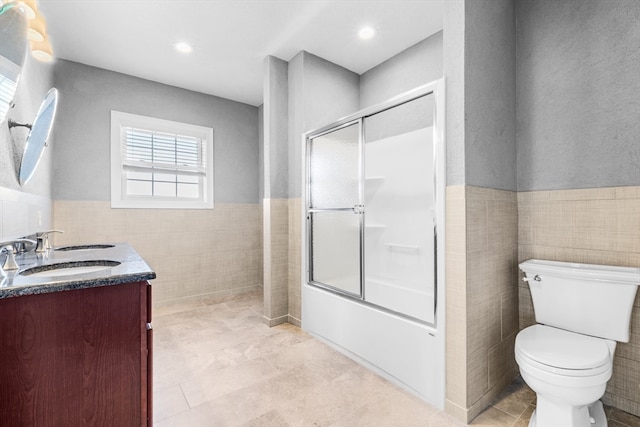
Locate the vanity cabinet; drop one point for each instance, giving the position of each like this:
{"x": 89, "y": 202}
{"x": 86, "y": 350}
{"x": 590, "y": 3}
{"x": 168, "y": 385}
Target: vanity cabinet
{"x": 77, "y": 357}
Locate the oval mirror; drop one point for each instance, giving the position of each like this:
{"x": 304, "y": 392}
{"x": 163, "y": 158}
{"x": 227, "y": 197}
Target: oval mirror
{"x": 13, "y": 49}
{"x": 38, "y": 136}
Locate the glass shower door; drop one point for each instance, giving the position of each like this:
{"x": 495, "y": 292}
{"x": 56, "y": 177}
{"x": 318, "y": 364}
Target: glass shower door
{"x": 334, "y": 213}
{"x": 371, "y": 208}
{"x": 399, "y": 261}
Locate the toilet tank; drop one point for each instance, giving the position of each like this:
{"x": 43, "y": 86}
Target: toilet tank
{"x": 589, "y": 299}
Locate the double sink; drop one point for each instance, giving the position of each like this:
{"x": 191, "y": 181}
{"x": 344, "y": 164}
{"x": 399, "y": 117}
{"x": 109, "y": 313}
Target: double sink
{"x": 74, "y": 267}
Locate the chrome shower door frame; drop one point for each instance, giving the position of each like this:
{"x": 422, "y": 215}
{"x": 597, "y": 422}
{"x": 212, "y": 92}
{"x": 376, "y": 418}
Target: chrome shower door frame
{"x": 435, "y": 88}
{"x": 356, "y": 209}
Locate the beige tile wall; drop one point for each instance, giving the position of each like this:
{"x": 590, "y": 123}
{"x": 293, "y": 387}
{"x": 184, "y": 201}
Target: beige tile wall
{"x": 295, "y": 259}
{"x": 599, "y": 226}
{"x": 282, "y": 261}
{"x": 481, "y": 296}
{"x": 195, "y": 253}
{"x": 276, "y": 264}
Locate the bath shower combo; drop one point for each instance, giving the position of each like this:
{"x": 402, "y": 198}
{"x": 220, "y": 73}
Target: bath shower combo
{"x": 373, "y": 266}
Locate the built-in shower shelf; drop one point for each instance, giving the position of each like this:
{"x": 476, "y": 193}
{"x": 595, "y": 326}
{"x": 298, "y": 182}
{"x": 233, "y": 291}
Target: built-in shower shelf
{"x": 372, "y": 185}
{"x": 375, "y": 226}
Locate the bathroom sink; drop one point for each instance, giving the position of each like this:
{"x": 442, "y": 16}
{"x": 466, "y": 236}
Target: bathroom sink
{"x": 69, "y": 268}
{"x": 83, "y": 247}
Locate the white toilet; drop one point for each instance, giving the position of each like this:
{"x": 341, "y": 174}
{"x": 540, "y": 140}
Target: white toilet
{"x": 582, "y": 310}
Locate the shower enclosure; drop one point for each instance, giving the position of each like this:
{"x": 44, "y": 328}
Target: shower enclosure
{"x": 374, "y": 238}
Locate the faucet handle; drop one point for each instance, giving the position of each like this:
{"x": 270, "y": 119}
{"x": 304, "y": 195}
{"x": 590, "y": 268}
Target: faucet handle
{"x": 43, "y": 240}
{"x": 8, "y": 247}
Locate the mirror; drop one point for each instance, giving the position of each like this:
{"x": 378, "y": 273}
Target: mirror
{"x": 38, "y": 136}
{"x": 13, "y": 49}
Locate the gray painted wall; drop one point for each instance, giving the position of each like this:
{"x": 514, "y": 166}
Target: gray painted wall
{"x": 296, "y": 123}
{"x": 578, "y": 100}
{"x": 413, "y": 67}
{"x": 82, "y": 131}
{"x": 320, "y": 92}
{"x": 479, "y": 63}
{"x": 453, "y": 22}
{"x": 275, "y": 89}
{"x": 490, "y": 94}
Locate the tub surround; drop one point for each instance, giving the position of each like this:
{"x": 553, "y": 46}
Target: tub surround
{"x": 132, "y": 268}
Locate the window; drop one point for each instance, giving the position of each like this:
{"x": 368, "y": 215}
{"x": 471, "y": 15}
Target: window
{"x": 158, "y": 163}
{"x": 9, "y": 75}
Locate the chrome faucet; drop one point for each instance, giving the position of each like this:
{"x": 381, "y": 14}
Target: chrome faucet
{"x": 43, "y": 240}
{"x": 9, "y": 247}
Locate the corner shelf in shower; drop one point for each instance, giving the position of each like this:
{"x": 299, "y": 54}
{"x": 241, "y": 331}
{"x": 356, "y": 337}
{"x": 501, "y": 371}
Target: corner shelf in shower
{"x": 372, "y": 185}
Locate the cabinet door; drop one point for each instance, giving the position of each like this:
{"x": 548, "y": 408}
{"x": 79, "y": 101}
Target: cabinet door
{"x": 74, "y": 358}
{"x": 149, "y": 354}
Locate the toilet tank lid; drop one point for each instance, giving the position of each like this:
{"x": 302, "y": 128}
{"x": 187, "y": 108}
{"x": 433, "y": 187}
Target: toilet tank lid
{"x": 601, "y": 273}
{"x": 563, "y": 349}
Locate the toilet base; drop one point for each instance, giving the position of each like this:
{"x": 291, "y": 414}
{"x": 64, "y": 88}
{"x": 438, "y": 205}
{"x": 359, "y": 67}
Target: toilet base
{"x": 596, "y": 415}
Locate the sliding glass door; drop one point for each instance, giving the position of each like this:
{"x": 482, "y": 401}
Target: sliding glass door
{"x": 370, "y": 208}
{"x": 333, "y": 214}
{"x": 399, "y": 269}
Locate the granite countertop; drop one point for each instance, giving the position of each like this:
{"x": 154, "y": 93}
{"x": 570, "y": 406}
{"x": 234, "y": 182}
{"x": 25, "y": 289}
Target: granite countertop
{"x": 125, "y": 266}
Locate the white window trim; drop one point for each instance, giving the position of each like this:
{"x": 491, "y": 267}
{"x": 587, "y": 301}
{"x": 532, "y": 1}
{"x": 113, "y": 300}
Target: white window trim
{"x": 118, "y": 199}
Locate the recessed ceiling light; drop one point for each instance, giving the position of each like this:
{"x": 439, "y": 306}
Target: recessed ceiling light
{"x": 366, "y": 33}
{"x": 183, "y": 47}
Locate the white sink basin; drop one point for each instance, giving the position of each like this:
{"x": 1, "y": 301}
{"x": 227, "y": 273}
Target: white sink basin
{"x": 69, "y": 268}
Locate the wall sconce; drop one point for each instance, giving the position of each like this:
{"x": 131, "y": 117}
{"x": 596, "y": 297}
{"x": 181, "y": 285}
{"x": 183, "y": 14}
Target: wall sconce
{"x": 37, "y": 33}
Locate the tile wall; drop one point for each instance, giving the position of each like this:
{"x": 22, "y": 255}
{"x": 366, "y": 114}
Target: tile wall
{"x": 481, "y": 296}
{"x": 276, "y": 260}
{"x": 599, "y": 226}
{"x": 22, "y": 214}
{"x": 282, "y": 261}
{"x": 195, "y": 253}
{"x": 295, "y": 260}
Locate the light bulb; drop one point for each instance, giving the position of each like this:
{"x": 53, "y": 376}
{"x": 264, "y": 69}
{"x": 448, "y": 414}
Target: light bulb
{"x": 42, "y": 50}
{"x": 366, "y": 33}
{"x": 30, "y": 8}
{"x": 37, "y": 32}
{"x": 183, "y": 47}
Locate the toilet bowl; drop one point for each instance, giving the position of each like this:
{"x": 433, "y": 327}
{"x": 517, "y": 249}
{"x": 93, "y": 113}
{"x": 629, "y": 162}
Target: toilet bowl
{"x": 582, "y": 310}
{"x": 568, "y": 372}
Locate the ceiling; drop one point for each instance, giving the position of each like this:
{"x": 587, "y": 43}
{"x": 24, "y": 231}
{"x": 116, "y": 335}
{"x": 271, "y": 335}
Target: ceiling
{"x": 231, "y": 38}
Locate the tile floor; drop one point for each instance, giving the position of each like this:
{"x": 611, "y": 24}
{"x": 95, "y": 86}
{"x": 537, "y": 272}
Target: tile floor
{"x": 217, "y": 364}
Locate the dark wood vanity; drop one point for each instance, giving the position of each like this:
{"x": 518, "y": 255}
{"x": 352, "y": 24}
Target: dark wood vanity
{"x": 77, "y": 357}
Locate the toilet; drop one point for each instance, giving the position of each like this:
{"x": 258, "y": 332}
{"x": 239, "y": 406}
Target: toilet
{"x": 582, "y": 311}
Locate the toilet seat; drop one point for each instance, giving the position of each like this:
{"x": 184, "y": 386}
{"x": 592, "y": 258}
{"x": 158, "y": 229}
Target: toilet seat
{"x": 564, "y": 353}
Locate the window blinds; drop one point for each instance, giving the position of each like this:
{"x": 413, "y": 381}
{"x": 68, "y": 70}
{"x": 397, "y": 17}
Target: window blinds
{"x": 160, "y": 164}
{"x": 148, "y": 150}
{"x": 7, "y": 89}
